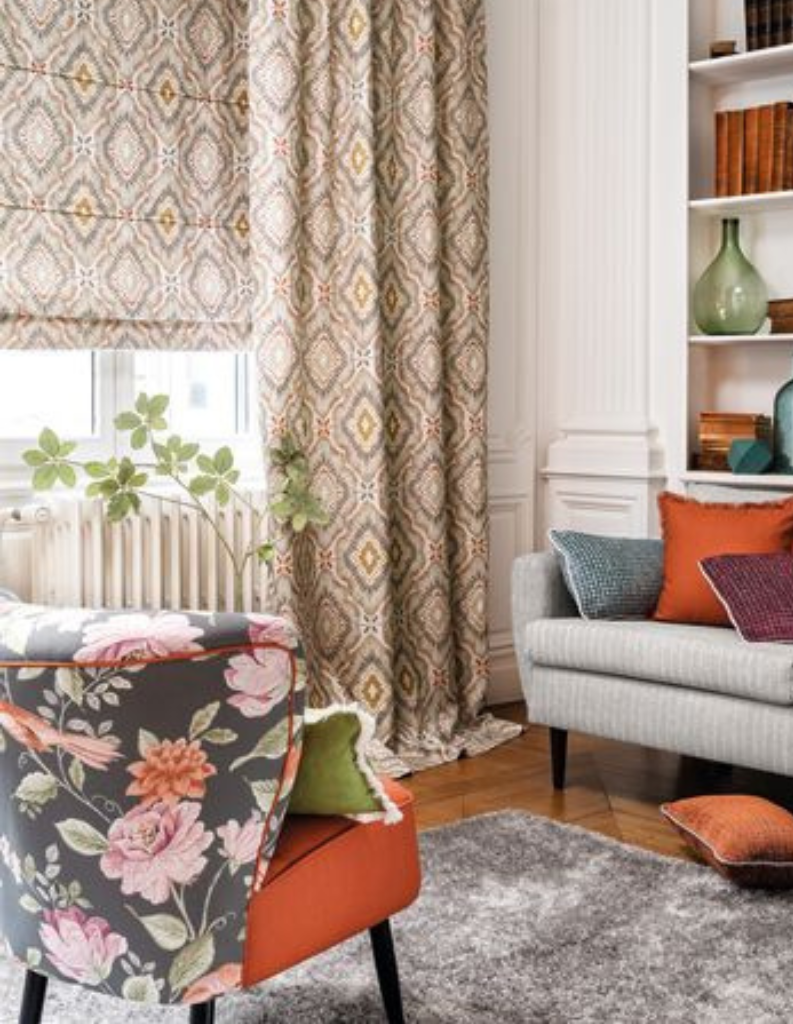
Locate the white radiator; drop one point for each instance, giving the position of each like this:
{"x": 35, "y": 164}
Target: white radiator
{"x": 166, "y": 557}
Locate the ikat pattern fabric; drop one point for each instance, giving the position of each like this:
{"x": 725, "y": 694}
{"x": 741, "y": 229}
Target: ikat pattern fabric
{"x": 124, "y": 174}
{"x": 146, "y": 763}
{"x": 369, "y": 219}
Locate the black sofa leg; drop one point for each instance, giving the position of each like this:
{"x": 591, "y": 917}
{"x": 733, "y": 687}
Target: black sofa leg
{"x": 203, "y": 1013}
{"x": 387, "y": 974}
{"x": 558, "y": 756}
{"x": 33, "y": 998}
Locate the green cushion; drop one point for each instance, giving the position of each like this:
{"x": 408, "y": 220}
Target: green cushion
{"x": 335, "y": 777}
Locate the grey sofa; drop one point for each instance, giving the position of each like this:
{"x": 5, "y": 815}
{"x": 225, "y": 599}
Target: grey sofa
{"x": 695, "y": 690}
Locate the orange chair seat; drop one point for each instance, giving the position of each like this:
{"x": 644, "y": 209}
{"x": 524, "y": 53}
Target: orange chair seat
{"x": 330, "y": 879}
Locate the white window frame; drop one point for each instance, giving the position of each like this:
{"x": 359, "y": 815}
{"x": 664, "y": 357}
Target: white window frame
{"x": 114, "y": 390}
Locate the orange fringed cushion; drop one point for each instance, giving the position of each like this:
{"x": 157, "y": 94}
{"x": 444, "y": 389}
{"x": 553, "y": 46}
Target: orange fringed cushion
{"x": 745, "y": 838}
{"x": 694, "y": 530}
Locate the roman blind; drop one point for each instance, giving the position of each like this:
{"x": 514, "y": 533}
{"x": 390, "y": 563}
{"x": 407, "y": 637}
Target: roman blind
{"x": 123, "y": 174}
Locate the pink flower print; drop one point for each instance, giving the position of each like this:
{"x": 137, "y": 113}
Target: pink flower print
{"x": 263, "y": 678}
{"x": 81, "y": 947}
{"x": 267, "y": 629}
{"x": 241, "y": 842}
{"x": 138, "y": 636}
{"x": 151, "y": 849}
{"x": 216, "y": 983}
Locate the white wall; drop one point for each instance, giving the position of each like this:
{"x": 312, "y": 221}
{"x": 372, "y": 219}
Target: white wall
{"x": 588, "y": 184}
{"x": 513, "y": 26}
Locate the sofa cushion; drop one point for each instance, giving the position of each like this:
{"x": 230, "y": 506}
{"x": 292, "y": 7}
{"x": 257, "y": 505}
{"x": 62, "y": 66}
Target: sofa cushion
{"x": 699, "y": 657}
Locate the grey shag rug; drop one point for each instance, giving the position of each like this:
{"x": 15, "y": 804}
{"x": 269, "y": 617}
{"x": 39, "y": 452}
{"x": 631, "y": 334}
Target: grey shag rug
{"x": 525, "y": 920}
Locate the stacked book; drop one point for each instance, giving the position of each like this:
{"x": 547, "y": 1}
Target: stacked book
{"x": 717, "y": 431}
{"x": 754, "y": 150}
{"x": 768, "y": 23}
{"x": 781, "y": 313}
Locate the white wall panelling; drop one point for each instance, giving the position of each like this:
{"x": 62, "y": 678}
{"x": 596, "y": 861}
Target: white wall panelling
{"x": 596, "y": 429}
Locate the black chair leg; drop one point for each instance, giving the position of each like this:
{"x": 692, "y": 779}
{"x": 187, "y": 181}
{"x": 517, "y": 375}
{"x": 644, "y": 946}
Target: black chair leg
{"x": 33, "y": 998}
{"x": 387, "y": 973}
{"x": 558, "y": 757}
{"x": 203, "y": 1013}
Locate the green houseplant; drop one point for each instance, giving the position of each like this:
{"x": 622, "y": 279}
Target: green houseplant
{"x": 197, "y": 479}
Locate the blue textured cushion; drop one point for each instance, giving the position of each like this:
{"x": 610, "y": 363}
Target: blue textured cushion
{"x": 611, "y": 577}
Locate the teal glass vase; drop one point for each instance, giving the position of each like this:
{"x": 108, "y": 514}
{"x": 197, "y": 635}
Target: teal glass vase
{"x": 730, "y": 297}
{"x": 783, "y": 429}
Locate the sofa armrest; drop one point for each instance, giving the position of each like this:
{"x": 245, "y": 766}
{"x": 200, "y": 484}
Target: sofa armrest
{"x": 538, "y": 592}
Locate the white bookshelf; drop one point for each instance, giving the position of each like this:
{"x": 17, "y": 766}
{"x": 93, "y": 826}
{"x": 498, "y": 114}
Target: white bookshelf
{"x": 749, "y": 340}
{"x": 725, "y": 373}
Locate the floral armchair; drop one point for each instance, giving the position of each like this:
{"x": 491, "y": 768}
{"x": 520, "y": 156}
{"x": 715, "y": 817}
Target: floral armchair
{"x": 145, "y": 766}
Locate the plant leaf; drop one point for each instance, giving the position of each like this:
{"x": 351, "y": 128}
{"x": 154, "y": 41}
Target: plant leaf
{"x": 192, "y": 962}
{"x": 37, "y": 788}
{"x": 67, "y": 475}
{"x": 224, "y": 459}
{"x": 45, "y": 476}
{"x": 140, "y": 989}
{"x": 77, "y": 773}
{"x": 69, "y": 682}
{"x": 146, "y": 740}
{"x": 220, "y": 736}
{"x": 139, "y": 437}
{"x": 49, "y": 442}
{"x": 273, "y": 744}
{"x": 203, "y": 718}
{"x": 167, "y": 931}
{"x": 35, "y": 457}
{"x": 81, "y": 837}
{"x": 158, "y": 404}
{"x": 127, "y": 421}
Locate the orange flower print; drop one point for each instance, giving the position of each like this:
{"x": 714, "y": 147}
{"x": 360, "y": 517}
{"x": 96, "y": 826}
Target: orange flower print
{"x": 37, "y": 734}
{"x": 172, "y": 771}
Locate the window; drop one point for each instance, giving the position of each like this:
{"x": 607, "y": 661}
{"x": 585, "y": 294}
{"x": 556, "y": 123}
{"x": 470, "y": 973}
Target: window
{"x": 78, "y": 394}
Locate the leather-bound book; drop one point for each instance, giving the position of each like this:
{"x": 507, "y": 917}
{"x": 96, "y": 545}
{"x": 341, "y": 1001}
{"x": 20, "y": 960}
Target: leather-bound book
{"x": 781, "y": 111}
{"x": 787, "y": 184}
{"x": 778, "y": 26}
{"x": 764, "y": 24}
{"x": 751, "y": 145}
{"x": 751, "y": 12}
{"x": 766, "y": 162}
{"x": 722, "y": 155}
{"x": 735, "y": 152}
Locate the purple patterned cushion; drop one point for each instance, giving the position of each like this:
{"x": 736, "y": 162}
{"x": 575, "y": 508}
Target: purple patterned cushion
{"x": 757, "y": 593}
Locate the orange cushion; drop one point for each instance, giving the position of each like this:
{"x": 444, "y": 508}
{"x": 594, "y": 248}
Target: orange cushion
{"x": 330, "y": 878}
{"x": 694, "y": 530}
{"x": 747, "y": 839}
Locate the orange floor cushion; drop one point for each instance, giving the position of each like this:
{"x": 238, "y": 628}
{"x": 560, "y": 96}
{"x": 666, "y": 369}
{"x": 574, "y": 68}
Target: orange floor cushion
{"x": 330, "y": 879}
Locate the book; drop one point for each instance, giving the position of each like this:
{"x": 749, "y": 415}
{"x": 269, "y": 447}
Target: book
{"x": 766, "y": 149}
{"x": 787, "y": 184}
{"x": 782, "y": 325}
{"x": 763, "y": 24}
{"x": 780, "y": 308}
{"x": 789, "y": 21}
{"x": 780, "y": 146}
{"x": 735, "y": 159}
{"x": 751, "y": 145}
{"x": 722, "y": 158}
{"x": 751, "y": 14}
{"x": 778, "y": 22}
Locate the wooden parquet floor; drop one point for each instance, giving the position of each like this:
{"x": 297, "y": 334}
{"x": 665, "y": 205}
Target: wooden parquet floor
{"x": 612, "y": 788}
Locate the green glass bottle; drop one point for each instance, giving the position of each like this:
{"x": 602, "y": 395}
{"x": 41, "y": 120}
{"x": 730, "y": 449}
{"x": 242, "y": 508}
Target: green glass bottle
{"x": 730, "y": 297}
{"x": 783, "y": 429}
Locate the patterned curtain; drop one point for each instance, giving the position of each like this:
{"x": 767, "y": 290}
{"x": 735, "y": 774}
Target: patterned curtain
{"x": 123, "y": 174}
{"x": 369, "y": 239}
